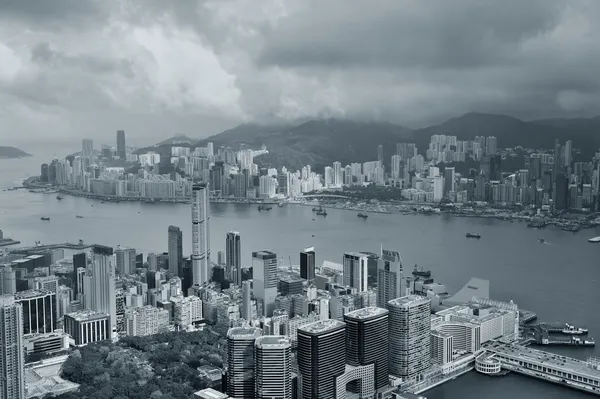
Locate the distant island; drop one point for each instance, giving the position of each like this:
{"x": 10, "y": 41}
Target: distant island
{"x": 12, "y": 152}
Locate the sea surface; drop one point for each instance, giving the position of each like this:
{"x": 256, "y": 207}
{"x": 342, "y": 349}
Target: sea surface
{"x": 558, "y": 280}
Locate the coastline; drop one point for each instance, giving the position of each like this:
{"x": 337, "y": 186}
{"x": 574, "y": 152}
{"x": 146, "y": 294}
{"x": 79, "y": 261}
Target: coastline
{"x": 533, "y": 221}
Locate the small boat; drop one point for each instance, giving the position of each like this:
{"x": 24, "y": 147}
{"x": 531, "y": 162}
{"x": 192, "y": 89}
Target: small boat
{"x": 102, "y": 202}
{"x": 280, "y": 204}
{"x": 58, "y": 197}
{"x": 45, "y": 218}
{"x": 79, "y": 216}
{"x": 541, "y": 241}
{"x": 594, "y": 240}
{"x": 572, "y": 330}
{"x": 473, "y": 235}
{"x": 363, "y": 215}
{"x": 322, "y": 212}
{"x": 316, "y": 209}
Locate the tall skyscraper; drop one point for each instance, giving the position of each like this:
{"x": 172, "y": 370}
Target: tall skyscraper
{"x": 356, "y": 270}
{"x": 273, "y": 370}
{"x": 307, "y": 264}
{"x": 240, "y": 361}
{"x": 152, "y": 263}
{"x": 233, "y": 257}
{"x": 264, "y": 276}
{"x": 12, "y": 377}
{"x": 125, "y": 260}
{"x": 321, "y": 357}
{"x": 366, "y": 334}
{"x": 8, "y": 280}
{"x": 449, "y": 179}
{"x": 568, "y": 153}
{"x": 121, "y": 153}
{"x": 175, "y": 251}
{"x": 247, "y": 300}
{"x": 99, "y": 284}
{"x": 87, "y": 147}
{"x": 200, "y": 233}
{"x": 409, "y": 336}
{"x": 389, "y": 277}
{"x": 380, "y": 154}
{"x": 79, "y": 260}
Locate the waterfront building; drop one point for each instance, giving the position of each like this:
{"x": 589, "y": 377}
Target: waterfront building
{"x": 39, "y": 310}
{"x": 99, "y": 284}
{"x": 87, "y": 326}
{"x": 409, "y": 336}
{"x": 264, "y": 273}
{"x": 273, "y": 370}
{"x": 321, "y": 357}
{"x": 175, "y": 251}
{"x": 390, "y": 280}
{"x": 307, "y": 264}
{"x": 200, "y": 234}
{"x": 233, "y": 257}
{"x": 366, "y": 333}
{"x": 121, "y": 152}
{"x": 356, "y": 270}
{"x": 12, "y": 376}
{"x": 241, "y": 361}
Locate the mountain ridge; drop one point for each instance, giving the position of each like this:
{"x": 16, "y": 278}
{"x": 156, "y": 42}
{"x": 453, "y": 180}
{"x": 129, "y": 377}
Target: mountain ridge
{"x": 8, "y": 152}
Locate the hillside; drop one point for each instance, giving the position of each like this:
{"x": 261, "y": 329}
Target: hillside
{"x": 12, "y": 152}
{"x": 177, "y": 139}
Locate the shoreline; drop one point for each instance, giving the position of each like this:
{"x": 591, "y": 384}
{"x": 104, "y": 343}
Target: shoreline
{"x": 535, "y": 221}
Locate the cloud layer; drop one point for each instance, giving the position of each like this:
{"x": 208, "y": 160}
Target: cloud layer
{"x": 76, "y": 68}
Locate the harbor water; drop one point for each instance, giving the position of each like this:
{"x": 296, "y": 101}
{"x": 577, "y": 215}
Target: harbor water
{"x": 557, "y": 279}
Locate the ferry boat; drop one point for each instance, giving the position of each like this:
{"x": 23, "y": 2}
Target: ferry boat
{"x": 45, "y": 218}
{"x": 473, "y": 235}
{"x": 58, "y": 197}
{"x": 571, "y": 330}
{"x": 594, "y": 240}
{"x": 363, "y": 215}
{"x": 264, "y": 208}
{"x": 420, "y": 272}
{"x": 322, "y": 212}
{"x": 541, "y": 241}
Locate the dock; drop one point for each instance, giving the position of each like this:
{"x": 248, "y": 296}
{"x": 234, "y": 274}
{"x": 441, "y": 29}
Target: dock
{"x": 540, "y": 334}
{"x": 562, "y": 370}
{"x": 8, "y": 241}
{"x": 526, "y": 316}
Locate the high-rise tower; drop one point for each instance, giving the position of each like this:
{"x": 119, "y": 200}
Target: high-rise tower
{"x": 321, "y": 357}
{"x": 200, "y": 233}
{"x": 87, "y": 147}
{"x": 273, "y": 370}
{"x": 389, "y": 277}
{"x": 233, "y": 257}
{"x": 12, "y": 377}
{"x": 307, "y": 264}
{"x": 356, "y": 270}
{"x": 121, "y": 153}
{"x": 175, "y": 251}
{"x": 409, "y": 336}
{"x": 366, "y": 335}
{"x": 264, "y": 273}
{"x": 240, "y": 361}
{"x": 99, "y": 284}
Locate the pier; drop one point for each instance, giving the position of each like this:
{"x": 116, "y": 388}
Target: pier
{"x": 539, "y": 334}
{"x": 562, "y": 370}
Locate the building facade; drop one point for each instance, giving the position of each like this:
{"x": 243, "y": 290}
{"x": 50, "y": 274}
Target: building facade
{"x": 200, "y": 234}
{"x": 12, "y": 376}
{"x": 273, "y": 370}
{"x": 241, "y": 361}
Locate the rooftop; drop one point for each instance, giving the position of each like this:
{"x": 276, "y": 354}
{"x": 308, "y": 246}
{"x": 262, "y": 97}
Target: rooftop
{"x": 366, "y": 313}
{"x": 356, "y": 254}
{"x": 85, "y": 315}
{"x": 32, "y": 294}
{"x": 264, "y": 254}
{"x": 210, "y": 393}
{"x": 243, "y": 333}
{"x": 322, "y": 326}
{"x": 273, "y": 341}
{"x": 409, "y": 300}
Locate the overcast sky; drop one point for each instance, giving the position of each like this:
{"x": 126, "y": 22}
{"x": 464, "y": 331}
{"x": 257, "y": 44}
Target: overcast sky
{"x": 77, "y": 68}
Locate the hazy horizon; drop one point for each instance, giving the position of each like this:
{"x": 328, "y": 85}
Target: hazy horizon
{"x": 76, "y": 69}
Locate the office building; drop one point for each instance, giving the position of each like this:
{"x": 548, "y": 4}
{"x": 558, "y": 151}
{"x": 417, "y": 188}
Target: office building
{"x": 87, "y": 147}
{"x": 39, "y": 311}
{"x": 126, "y": 263}
{"x": 87, "y": 326}
{"x": 175, "y": 251}
{"x": 389, "y": 277}
{"x": 200, "y": 234}
{"x": 241, "y": 361}
{"x": 449, "y": 181}
{"x": 210, "y": 393}
{"x": 356, "y": 270}
{"x": 273, "y": 370}
{"x": 12, "y": 376}
{"x": 79, "y": 261}
{"x": 146, "y": 320}
{"x": 233, "y": 257}
{"x": 99, "y": 284}
{"x": 152, "y": 262}
{"x": 121, "y": 153}
{"x": 409, "y": 336}
{"x": 366, "y": 333}
{"x": 246, "y": 300}
{"x": 307, "y": 264}
{"x": 321, "y": 357}
{"x": 187, "y": 311}
{"x": 264, "y": 276}
{"x": 8, "y": 280}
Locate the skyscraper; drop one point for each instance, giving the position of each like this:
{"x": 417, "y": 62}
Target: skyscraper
{"x": 409, "y": 336}
{"x": 240, "y": 361}
{"x": 175, "y": 251}
{"x": 356, "y": 272}
{"x": 87, "y": 147}
{"x": 39, "y": 311}
{"x": 568, "y": 153}
{"x": 125, "y": 260}
{"x": 79, "y": 260}
{"x": 449, "y": 179}
{"x": 307, "y": 264}
{"x": 380, "y": 154}
{"x": 8, "y": 280}
{"x": 99, "y": 284}
{"x": 246, "y": 300}
{"x": 389, "y": 277}
{"x": 12, "y": 377}
{"x": 273, "y": 370}
{"x": 200, "y": 233}
{"x": 366, "y": 333}
{"x": 233, "y": 257}
{"x": 121, "y": 153}
{"x": 264, "y": 273}
{"x": 321, "y": 357}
